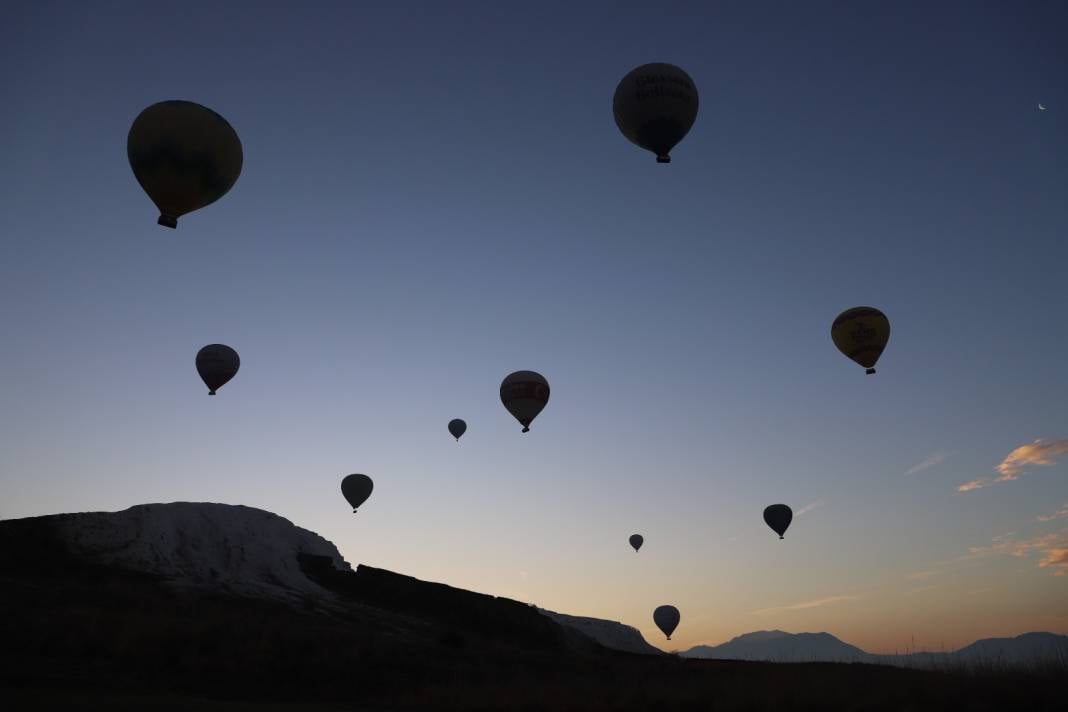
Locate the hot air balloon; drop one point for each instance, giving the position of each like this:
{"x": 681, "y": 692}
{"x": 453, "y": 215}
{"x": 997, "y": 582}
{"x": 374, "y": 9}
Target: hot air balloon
{"x": 666, "y": 619}
{"x": 217, "y": 364}
{"x": 457, "y": 427}
{"x": 356, "y": 489}
{"x": 524, "y": 394}
{"x": 636, "y": 540}
{"x": 655, "y": 107}
{"x": 778, "y": 517}
{"x": 861, "y": 334}
{"x": 184, "y": 155}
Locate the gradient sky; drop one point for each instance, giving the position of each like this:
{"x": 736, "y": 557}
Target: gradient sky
{"x": 435, "y": 195}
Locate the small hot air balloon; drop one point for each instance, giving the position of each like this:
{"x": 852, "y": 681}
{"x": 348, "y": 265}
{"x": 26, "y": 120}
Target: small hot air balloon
{"x": 636, "y": 540}
{"x": 457, "y": 427}
{"x": 184, "y": 155}
{"x": 356, "y": 489}
{"x": 655, "y": 107}
{"x": 861, "y": 334}
{"x": 524, "y": 394}
{"x": 778, "y": 517}
{"x": 666, "y": 619}
{"x": 217, "y": 364}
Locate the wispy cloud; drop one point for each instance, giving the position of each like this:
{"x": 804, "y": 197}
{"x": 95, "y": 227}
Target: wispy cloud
{"x": 809, "y": 507}
{"x": 1037, "y": 453}
{"x": 829, "y": 600}
{"x": 935, "y": 458}
{"x": 921, "y": 589}
{"x": 1057, "y": 559}
{"x": 1059, "y": 514}
{"x": 1040, "y": 452}
{"x": 920, "y": 575}
{"x": 1054, "y": 548}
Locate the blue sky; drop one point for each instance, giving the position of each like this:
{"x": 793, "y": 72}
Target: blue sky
{"x": 435, "y": 195}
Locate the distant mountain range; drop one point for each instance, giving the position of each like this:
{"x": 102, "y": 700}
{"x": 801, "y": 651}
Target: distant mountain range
{"x": 780, "y": 646}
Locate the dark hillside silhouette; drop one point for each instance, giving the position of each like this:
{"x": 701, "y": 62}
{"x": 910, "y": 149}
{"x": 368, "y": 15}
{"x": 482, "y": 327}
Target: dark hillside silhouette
{"x": 80, "y": 634}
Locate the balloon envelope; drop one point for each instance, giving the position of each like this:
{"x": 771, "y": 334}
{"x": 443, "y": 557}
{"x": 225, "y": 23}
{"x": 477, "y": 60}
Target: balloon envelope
{"x": 861, "y": 334}
{"x": 778, "y": 517}
{"x": 217, "y": 364}
{"x": 457, "y": 427}
{"x": 524, "y": 394}
{"x": 666, "y": 619}
{"x": 655, "y": 106}
{"x": 356, "y": 489}
{"x": 636, "y": 540}
{"x": 184, "y": 155}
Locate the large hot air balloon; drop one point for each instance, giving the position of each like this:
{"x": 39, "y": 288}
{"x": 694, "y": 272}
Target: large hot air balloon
{"x": 217, "y": 364}
{"x": 778, "y": 517}
{"x": 524, "y": 394}
{"x": 636, "y": 540}
{"x": 655, "y": 106}
{"x": 861, "y": 334}
{"x": 356, "y": 489}
{"x": 666, "y": 619}
{"x": 184, "y": 155}
{"x": 457, "y": 427}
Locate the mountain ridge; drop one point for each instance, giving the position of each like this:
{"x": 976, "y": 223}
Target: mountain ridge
{"x": 780, "y": 646}
{"x": 112, "y": 616}
{"x": 253, "y": 552}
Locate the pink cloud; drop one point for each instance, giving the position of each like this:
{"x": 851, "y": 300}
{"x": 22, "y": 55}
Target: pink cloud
{"x": 1058, "y": 558}
{"x": 1040, "y": 452}
{"x": 1054, "y": 548}
{"x": 1059, "y": 514}
{"x": 1036, "y": 453}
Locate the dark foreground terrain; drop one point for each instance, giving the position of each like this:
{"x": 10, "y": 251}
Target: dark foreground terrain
{"x": 81, "y": 636}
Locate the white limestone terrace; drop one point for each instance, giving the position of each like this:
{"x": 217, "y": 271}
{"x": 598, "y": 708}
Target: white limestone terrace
{"x": 610, "y": 634}
{"x": 242, "y": 549}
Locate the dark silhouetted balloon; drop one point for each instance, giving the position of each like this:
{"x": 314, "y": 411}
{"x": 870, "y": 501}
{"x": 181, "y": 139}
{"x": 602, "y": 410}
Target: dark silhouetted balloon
{"x": 457, "y": 427}
{"x": 655, "y": 107}
{"x": 666, "y": 619}
{"x": 356, "y": 489}
{"x": 861, "y": 334}
{"x": 778, "y": 517}
{"x": 636, "y": 541}
{"x": 524, "y": 394}
{"x": 217, "y": 364}
{"x": 184, "y": 155}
